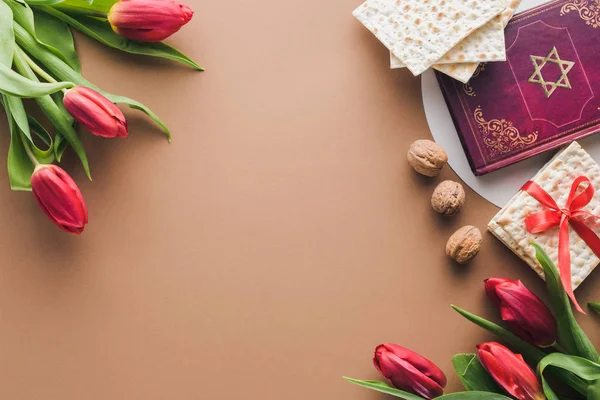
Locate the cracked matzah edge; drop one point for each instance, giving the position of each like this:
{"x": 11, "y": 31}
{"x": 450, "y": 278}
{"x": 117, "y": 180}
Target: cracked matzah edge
{"x": 505, "y": 238}
{"x": 464, "y": 71}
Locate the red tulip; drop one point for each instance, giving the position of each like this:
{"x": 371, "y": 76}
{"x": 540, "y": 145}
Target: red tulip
{"x": 95, "y": 112}
{"x": 523, "y": 311}
{"x": 148, "y": 20}
{"x": 408, "y": 371}
{"x": 59, "y": 198}
{"x": 510, "y": 371}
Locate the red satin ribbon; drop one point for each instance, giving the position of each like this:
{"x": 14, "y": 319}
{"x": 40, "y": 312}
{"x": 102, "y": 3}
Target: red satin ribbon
{"x": 563, "y": 217}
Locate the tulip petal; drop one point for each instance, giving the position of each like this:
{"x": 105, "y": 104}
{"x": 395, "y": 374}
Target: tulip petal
{"x": 95, "y": 112}
{"x": 98, "y": 30}
{"x": 510, "y": 371}
{"x": 422, "y": 364}
{"x": 524, "y": 312}
{"x": 411, "y": 379}
{"x": 148, "y": 20}
{"x": 407, "y": 370}
{"x": 59, "y": 198}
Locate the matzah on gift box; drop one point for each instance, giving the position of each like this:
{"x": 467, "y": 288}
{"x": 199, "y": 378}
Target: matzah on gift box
{"x": 563, "y": 198}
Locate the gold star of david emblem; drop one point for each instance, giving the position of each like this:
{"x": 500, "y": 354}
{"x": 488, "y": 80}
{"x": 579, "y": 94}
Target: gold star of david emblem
{"x": 553, "y": 58}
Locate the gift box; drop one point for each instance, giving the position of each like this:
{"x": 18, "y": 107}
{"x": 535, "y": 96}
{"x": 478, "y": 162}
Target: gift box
{"x": 558, "y": 210}
{"x": 545, "y": 95}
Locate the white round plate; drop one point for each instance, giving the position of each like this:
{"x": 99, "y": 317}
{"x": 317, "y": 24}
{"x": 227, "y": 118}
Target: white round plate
{"x": 499, "y": 186}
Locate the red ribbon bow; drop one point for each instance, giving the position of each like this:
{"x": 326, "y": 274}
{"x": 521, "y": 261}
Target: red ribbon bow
{"x": 572, "y": 215}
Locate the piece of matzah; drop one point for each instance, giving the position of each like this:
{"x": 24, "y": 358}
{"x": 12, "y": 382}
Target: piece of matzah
{"x": 555, "y": 178}
{"x": 485, "y": 44}
{"x": 420, "y": 32}
{"x": 463, "y": 72}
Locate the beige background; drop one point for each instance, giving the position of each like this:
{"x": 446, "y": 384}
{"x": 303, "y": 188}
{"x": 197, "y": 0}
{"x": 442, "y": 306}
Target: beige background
{"x": 268, "y": 249}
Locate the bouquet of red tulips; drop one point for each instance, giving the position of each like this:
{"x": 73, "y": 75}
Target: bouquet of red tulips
{"x": 543, "y": 352}
{"x": 38, "y": 60}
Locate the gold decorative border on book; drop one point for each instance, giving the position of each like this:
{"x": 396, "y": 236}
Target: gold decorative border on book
{"x": 589, "y": 11}
{"x": 468, "y": 89}
{"x": 500, "y": 136}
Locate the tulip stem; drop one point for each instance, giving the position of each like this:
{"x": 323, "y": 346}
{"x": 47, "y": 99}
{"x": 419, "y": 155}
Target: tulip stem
{"x": 37, "y": 69}
{"x": 30, "y": 154}
{"x": 559, "y": 348}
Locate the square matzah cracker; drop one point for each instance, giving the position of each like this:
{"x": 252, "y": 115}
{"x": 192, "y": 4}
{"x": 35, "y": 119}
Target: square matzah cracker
{"x": 463, "y": 72}
{"x": 485, "y": 44}
{"x": 420, "y": 32}
{"x": 555, "y": 178}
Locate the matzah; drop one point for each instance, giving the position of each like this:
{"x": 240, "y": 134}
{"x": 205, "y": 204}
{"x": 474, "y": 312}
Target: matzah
{"x": 420, "y": 32}
{"x": 460, "y": 71}
{"x": 555, "y": 178}
{"x": 485, "y": 44}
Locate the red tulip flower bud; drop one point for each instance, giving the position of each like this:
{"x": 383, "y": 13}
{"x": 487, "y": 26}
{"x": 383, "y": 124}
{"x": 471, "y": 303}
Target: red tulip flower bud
{"x": 148, "y": 20}
{"x": 59, "y": 198}
{"x": 408, "y": 371}
{"x": 510, "y": 371}
{"x": 95, "y": 112}
{"x": 523, "y": 311}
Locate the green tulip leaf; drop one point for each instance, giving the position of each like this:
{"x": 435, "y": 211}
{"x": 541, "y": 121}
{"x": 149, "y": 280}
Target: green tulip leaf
{"x": 20, "y": 167}
{"x": 383, "y": 387}
{"x": 570, "y": 334}
{"x": 581, "y": 367}
{"x": 387, "y": 389}
{"x": 63, "y": 71}
{"x": 136, "y": 105}
{"x": 24, "y": 16}
{"x": 56, "y": 115}
{"x": 594, "y": 390}
{"x": 19, "y": 115}
{"x": 60, "y": 146}
{"x": 101, "y": 31}
{"x": 531, "y": 353}
{"x": 7, "y": 36}
{"x": 595, "y": 307}
{"x": 43, "y": 2}
{"x": 60, "y": 143}
{"x": 23, "y": 122}
{"x": 87, "y": 7}
{"x": 52, "y": 30}
{"x": 13, "y": 84}
{"x": 472, "y": 374}
{"x": 43, "y": 156}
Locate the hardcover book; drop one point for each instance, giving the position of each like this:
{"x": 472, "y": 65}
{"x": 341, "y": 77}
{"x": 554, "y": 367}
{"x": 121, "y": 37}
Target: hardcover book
{"x": 546, "y": 94}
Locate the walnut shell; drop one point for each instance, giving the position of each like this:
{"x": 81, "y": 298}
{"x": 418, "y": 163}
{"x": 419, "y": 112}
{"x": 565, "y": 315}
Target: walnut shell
{"x": 464, "y": 244}
{"x": 448, "y": 198}
{"x": 427, "y": 157}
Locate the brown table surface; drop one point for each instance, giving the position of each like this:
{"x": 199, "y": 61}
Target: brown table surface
{"x": 268, "y": 249}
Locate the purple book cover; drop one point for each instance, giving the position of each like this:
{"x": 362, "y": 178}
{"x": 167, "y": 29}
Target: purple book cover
{"x": 546, "y": 94}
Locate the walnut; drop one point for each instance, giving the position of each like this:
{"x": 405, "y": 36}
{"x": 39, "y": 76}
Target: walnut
{"x": 448, "y": 198}
{"x": 464, "y": 244}
{"x": 427, "y": 157}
